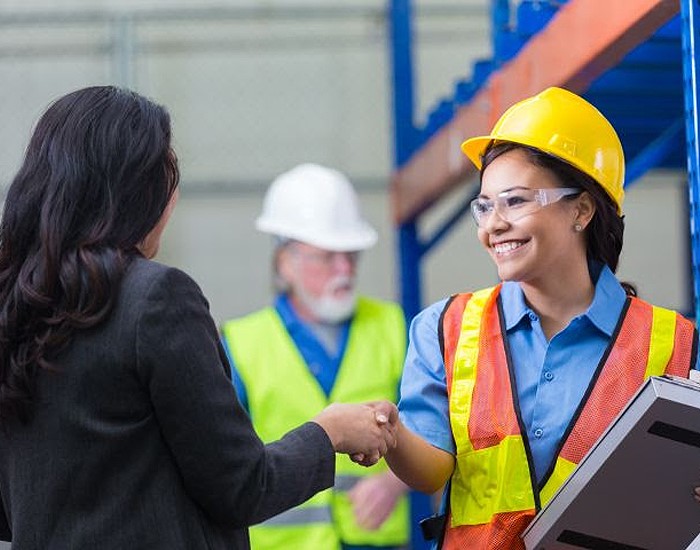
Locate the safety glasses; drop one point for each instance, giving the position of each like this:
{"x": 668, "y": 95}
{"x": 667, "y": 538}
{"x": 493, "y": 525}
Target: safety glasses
{"x": 517, "y": 203}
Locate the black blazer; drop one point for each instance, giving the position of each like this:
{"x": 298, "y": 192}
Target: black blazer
{"x": 138, "y": 440}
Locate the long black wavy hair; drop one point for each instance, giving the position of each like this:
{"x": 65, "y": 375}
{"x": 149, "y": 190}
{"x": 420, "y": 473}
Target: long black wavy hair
{"x": 605, "y": 232}
{"x": 96, "y": 178}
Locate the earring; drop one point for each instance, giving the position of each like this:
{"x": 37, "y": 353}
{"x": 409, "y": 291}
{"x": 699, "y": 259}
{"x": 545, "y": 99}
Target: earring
{"x": 578, "y": 228}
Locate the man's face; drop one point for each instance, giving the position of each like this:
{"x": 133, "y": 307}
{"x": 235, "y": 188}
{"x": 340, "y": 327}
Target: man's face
{"x": 322, "y": 282}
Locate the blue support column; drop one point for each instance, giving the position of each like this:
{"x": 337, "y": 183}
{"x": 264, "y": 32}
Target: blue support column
{"x": 691, "y": 43}
{"x": 409, "y": 249}
{"x": 655, "y": 153}
{"x": 410, "y": 253}
{"x": 400, "y": 18}
{"x": 404, "y": 143}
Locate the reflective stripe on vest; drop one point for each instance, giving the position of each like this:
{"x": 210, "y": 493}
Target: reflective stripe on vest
{"x": 313, "y": 514}
{"x": 492, "y": 497}
{"x": 302, "y": 516}
{"x": 283, "y": 394}
{"x": 345, "y": 483}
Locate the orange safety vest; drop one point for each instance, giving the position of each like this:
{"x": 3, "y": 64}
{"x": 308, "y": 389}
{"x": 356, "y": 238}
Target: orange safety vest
{"x": 494, "y": 493}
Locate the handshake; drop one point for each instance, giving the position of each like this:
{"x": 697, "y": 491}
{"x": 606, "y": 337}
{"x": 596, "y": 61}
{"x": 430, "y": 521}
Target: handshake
{"x": 365, "y": 431}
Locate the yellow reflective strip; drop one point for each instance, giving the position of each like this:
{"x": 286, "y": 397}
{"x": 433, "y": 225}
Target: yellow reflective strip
{"x": 663, "y": 333}
{"x": 491, "y": 481}
{"x": 464, "y": 370}
{"x": 562, "y": 470}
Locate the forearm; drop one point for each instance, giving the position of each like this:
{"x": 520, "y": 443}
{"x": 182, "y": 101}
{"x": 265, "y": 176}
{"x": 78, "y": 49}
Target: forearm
{"x": 224, "y": 465}
{"x": 295, "y": 468}
{"x": 418, "y": 463}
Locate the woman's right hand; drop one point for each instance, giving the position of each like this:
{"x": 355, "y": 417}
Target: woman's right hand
{"x": 366, "y": 431}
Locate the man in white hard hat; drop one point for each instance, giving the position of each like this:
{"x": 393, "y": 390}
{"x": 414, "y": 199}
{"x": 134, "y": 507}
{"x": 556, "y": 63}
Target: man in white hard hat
{"x": 321, "y": 343}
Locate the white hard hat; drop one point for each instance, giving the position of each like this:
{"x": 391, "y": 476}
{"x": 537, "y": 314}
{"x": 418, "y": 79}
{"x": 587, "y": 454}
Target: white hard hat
{"x": 318, "y": 206}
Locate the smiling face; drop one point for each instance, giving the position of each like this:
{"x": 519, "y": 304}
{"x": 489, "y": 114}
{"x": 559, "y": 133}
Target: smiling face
{"x": 539, "y": 247}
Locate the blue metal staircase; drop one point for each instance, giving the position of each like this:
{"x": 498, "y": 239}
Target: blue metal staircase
{"x": 643, "y": 94}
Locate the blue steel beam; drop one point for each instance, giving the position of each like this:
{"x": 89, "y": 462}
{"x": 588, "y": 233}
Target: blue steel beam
{"x": 656, "y": 152}
{"x": 691, "y": 43}
{"x": 400, "y": 20}
{"x": 449, "y": 223}
{"x": 409, "y": 249}
{"x": 402, "y": 69}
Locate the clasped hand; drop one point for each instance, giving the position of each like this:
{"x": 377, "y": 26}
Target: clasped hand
{"x": 365, "y": 431}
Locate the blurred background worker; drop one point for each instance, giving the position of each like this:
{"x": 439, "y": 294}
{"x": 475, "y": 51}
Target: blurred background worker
{"x": 321, "y": 343}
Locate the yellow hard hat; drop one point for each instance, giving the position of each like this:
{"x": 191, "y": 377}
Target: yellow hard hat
{"x": 565, "y": 125}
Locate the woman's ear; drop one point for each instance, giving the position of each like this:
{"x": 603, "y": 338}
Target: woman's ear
{"x": 585, "y": 208}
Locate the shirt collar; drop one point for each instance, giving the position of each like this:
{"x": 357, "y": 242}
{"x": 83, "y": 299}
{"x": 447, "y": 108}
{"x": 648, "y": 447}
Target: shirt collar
{"x": 286, "y": 311}
{"x": 514, "y": 306}
{"x": 608, "y": 301}
{"x": 604, "y": 311}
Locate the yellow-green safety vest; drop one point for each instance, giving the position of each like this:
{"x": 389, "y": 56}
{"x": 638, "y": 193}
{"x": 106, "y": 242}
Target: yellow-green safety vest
{"x": 282, "y": 394}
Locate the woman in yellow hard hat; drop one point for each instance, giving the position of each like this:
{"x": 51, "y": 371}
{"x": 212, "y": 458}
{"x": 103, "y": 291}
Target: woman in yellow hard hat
{"x": 506, "y": 388}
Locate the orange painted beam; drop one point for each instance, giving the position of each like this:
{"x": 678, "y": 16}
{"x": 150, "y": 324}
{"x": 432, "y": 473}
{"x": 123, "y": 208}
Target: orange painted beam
{"x": 583, "y": 40}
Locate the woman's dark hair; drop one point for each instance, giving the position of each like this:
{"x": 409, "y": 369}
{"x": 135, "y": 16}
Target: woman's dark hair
{"x": 604, "y": 234}
{"x": 97, "y": 176}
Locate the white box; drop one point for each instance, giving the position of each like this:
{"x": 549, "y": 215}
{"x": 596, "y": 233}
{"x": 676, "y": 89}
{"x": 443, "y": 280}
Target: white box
{"x": 634, "y": 488}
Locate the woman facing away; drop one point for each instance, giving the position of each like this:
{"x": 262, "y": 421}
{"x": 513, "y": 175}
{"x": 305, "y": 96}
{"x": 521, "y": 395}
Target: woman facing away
{"x": 119, "y": 424}
{"x": 505, "y": 389}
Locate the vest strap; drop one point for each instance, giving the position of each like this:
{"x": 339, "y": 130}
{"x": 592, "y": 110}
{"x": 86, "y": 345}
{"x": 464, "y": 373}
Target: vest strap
{"x": 433, "y": 527}
{"x": 663, "y": 333}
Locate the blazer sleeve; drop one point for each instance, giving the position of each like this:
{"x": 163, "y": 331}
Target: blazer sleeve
{"x": 226, "y": 468}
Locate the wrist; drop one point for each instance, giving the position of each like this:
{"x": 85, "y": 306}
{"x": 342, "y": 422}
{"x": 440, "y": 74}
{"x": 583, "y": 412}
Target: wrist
{"x": 334, "y": 434}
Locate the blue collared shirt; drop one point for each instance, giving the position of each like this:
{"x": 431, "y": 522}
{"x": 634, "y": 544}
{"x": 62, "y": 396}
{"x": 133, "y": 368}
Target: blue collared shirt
{"x": 551, "y": 376}
{"x": 323, "y": 366}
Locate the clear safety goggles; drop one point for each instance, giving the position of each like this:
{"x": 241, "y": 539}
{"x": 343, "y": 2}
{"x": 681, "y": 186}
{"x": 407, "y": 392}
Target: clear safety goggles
{"x": 517, "y": 203}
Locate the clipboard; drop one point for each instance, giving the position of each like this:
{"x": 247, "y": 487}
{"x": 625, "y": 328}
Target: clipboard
{"x": 634, "y": 489}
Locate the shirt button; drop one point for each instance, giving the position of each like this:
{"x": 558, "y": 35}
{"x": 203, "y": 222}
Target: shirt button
{"x": 532, "y": 316}
{"x": 548, "y": 376}
{"x": 539, "y": 432}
